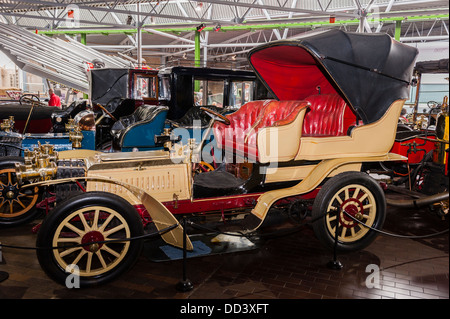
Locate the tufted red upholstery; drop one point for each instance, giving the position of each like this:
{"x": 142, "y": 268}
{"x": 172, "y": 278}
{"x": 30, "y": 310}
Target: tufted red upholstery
{"x": 328, "y": 116}
{"x": 245, "y": 123}
{"x": 240, "y": 122}
{"x": 276, "y": 113}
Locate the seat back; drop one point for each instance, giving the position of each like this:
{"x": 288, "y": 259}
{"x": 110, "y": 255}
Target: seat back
{"x": 328, "y": 115}
{"x": 254, "y": 117}
{"x": 139, "y": 128}
{"x": 274, "y": 114}
{"x": 241, "y": 122}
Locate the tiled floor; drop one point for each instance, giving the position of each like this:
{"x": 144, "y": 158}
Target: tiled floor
{"x": 286, "y": 267}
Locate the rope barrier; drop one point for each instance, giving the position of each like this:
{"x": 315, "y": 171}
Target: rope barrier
{"x": 159, "y": 232}
{"x": 285, "y": 232}
{"x": 396, "y": 235}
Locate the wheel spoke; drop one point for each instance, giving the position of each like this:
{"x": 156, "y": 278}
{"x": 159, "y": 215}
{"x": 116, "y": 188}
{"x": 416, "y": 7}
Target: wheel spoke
{"x": 107, "y": 221}
{"x": 80, "y": 255}
{"x": 85, "y": 223}
{"x": 69, "y": 251}
{"x": 20, "y": 203}
{"x": 89, "y": 262}
{"x": 332, "y": 218}
{"x": 114, "y": 230}
{"x": 363, "y": 197}
{"x": 102, "y": 260}
{"x": 343, "y": 232}
{"x": 95, "y": 222}
{"x": 111, "y": 251}
{"x": 356, "y": 192}
{"x": 75, "y": 229}
{"x": 3, "y": 201}
{"x": 63, "y": 240}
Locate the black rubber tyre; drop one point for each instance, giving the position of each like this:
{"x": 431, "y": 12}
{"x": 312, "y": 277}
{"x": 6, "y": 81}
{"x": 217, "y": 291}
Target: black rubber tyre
{"x": 358, "y": 195}
{"x": 87, "y": 218}
{"x": 17, "y": 205}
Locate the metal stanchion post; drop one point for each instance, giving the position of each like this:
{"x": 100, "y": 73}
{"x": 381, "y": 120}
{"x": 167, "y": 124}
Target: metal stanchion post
{"x": 335, "y": 264}
{"x": 3, "y": 274}
{"x": 185, "y": 284}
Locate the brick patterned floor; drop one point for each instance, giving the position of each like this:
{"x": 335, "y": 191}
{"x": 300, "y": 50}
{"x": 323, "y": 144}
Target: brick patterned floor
{"x": 287, "y": 267}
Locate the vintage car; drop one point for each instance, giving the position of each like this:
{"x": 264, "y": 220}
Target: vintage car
{"x": 423, "y": 140}
{"x": 338, "y": 97}
{"x": 29, "y": 114}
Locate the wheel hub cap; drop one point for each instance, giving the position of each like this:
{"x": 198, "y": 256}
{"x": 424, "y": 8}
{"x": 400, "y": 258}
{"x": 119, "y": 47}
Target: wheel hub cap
{"x": 10, "y": 194}
{"x": 352, "y": 207}
{"x": 90, "y": 240}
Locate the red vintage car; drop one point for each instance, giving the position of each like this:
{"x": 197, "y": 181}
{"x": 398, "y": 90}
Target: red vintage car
{"x": 424, "y": 142}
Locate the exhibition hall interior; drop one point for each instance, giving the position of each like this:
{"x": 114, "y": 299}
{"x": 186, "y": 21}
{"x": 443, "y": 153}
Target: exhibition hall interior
{"x": 224, "y": 157}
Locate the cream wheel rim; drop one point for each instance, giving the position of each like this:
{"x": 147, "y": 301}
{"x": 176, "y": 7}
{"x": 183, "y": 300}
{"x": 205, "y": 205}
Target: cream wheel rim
{"x": 84, "y": 227}
{"x": 357, "y": 201}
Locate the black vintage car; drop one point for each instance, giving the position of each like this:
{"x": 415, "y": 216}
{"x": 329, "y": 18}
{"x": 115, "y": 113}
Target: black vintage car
{"x": 182, "y": 88}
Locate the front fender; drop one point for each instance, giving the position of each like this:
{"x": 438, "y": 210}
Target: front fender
{"x": 160, "y": 215}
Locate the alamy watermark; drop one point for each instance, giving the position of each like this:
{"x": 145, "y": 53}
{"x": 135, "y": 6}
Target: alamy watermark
{"x": 373, "y": 279}
{"x": 73, "y": 277}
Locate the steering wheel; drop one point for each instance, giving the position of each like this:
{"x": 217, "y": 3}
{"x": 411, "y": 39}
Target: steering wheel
{"x": 30, "y": 98}
{"x": 216, "y": 116}
{"x": 107, "y": 112}
{"x": 432, "y": 104}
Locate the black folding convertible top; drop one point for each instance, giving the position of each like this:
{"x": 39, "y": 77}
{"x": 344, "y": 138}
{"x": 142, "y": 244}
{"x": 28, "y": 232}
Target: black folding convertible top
{"x": 369, "y": 70}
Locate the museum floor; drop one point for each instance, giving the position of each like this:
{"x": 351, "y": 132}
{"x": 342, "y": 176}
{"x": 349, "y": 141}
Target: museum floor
{"x": 291, "y": 266}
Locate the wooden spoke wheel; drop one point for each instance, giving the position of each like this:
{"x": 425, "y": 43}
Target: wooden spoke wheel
{"x": 17, "y": 205}
{"x": 86, "y": 235}
{"x": 352, "y": 203}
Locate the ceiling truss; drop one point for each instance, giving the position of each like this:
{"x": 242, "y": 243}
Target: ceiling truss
{"x": 165, "y": 30}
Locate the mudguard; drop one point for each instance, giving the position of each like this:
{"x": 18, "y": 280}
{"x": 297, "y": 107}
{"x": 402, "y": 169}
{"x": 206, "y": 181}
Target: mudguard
{"x": 160, "y": 215}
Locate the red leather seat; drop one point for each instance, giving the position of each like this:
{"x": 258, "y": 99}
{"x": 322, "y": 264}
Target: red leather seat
{"x": 328, "y": 115}
{"x": 242, "y": 131}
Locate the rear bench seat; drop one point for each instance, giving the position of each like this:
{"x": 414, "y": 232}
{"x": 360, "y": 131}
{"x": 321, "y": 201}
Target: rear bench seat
{"x": 328, "y": 115}
{"x": 327, "y": 130}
